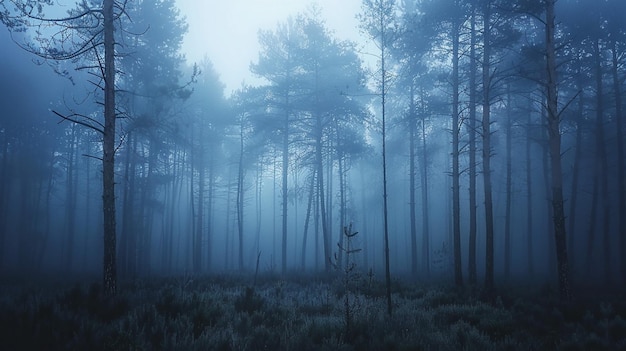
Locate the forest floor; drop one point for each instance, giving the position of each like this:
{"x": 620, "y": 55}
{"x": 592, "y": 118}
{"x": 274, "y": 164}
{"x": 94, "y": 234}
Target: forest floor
{"x": 229, "y": 312}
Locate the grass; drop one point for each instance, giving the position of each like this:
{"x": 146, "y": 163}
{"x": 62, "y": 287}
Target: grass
{"x": 224, "y": 313}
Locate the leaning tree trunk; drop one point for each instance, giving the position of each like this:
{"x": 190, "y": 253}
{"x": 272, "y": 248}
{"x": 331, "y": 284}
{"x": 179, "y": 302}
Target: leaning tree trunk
{"x": 108, "y": 158}
{"x": 555, "y": 155}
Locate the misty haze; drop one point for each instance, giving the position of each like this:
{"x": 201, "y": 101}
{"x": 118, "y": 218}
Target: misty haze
{"x": 331, "y": 175}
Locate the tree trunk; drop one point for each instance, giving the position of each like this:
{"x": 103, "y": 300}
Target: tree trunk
{"x": 486, "y": 134}
{"x": 4, "y": 184}
{"x": 425, "y": 201}
{"x": 342, "y": 204}
{"x": 555, "y": 155}
{"x": 259, "y": 202}
{"x": 472, "y": 276}
{"x": 529, "y": 199}
{"x": 108, "y": 159}
{"x": 509, "y": 185}
{"x": 576, "y": 169}
{"x": 602, "y": 167}
{"x": 199, "y": 227}
{"x": 621, "y": 167}
{"x": 128, "y": 257}
{"x": 70, "y": 198}
{"x": 285, "y": 168}
{"x": 307, "y": 221}
{"x": 383, "y": 44}
{"x": 545, "y": 159}
{"x": 240, "y": 195}
{"x": 412, "y": 205}
{"x": 209, "y": 222}
{"x": 456, "y": 206}
{"x": 320, "y": 191}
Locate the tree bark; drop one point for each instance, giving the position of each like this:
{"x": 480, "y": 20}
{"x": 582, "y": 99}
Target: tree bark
{"x": 456, "y": 207}
{"x": 425, "y": 201}
{"x": 472, "y": 275}
{"x": 486, "y": 135}
{"x": 621, "y": 166}
{"x": 529, "y": 199}
{"x": 240, "y": 194}
{"x": 602, "y": 167}
{"x": 307, "y": 220}
{"x": 70, "y": 198}
{"x": 555, "y": 154}
{"x": 509, "y": 185}
{"x": 108, "y": 159}
{"x": 285, "y": 167}
{"x": 576, "y": 169}
{"x": 412, "y": 205}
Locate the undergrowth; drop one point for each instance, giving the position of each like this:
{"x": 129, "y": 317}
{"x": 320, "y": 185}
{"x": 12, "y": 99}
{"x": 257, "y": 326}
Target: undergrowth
{"x": 222, "y": 313}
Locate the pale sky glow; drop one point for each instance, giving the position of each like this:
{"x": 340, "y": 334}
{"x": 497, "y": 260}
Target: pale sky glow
{"x": 226, "y": 30}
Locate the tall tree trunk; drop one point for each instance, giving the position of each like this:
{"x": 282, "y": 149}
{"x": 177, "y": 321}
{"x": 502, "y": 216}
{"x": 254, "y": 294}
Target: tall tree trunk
{"x": 425, "y": 200}
{"x": 108, "y": 159}
{"x": 4, "y": 184}
{"x": 128, "y": 239}
{"x": 307, "y": 221}
{"x": 621, "y": 167}
{"x": 259, "y": 204}
{"x": 545, "y": 159}
{"x": 209, "y": 224}
{"x": 364, "y": 224}
{"x": 529, "y": 198}
{"x": 227, "y": 241}
{"x": 576, "y": 169}
{"x": 383, "y": 44}
{"x": 486, "y": 135}
{"x": 199, "y": 227}
{"x": 509, "y": 184}
{"x": 555, "y": 155}
{"x": 602, "y": 167}
{"x": 317, "y": 200}
{"x": 342, "y": 203}
{"x": 70, "y": 198}
{"x": 320, "y": 192}
{"x": 472, "y": 276}
{"x": 412, "y": 204}
{"x": 285, "y": 169}
{"x": 456, "y": 206}
{"x": 240, "y": 195}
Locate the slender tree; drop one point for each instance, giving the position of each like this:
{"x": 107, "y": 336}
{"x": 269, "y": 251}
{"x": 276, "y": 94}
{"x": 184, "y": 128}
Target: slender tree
{"x": 555, "y": 151}
{"x": 377, "y": 20}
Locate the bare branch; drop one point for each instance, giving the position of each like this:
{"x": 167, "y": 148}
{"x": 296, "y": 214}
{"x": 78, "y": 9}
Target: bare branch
{"x": 72, "y": 119}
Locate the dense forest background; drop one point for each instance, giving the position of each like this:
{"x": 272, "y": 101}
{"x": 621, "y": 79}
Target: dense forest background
{"x": 209, "y": 182}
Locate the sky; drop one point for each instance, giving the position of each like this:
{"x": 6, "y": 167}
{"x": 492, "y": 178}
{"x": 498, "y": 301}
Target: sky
{"x": 225, "y": 31}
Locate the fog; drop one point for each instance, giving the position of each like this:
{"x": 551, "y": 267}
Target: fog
{"x": 211, "y": 175}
